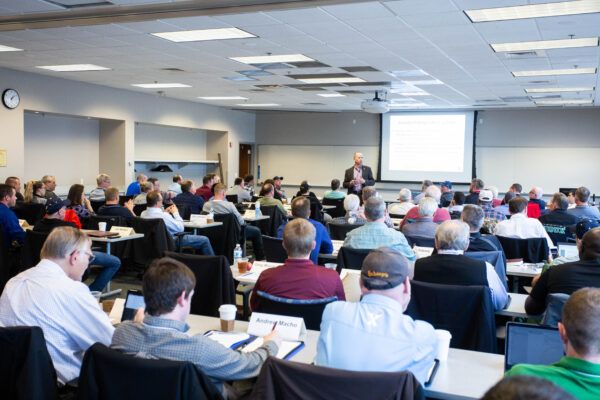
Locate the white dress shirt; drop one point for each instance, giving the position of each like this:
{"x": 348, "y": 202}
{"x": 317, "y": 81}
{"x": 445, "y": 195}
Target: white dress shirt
{"x": 69, "y": 315}
{"x": 521, "y": 227}
{"x": 173, "y": 222}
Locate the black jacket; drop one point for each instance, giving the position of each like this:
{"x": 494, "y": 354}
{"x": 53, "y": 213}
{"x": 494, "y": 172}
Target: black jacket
{"x": 367, "y": 175}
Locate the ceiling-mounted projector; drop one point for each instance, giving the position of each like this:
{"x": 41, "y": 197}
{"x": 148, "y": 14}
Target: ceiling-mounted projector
{"x": 376, "y": 105}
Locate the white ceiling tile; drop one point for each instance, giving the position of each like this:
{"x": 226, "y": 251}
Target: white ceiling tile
{"x": 408, "y": 7}
{"x": 248, "y": 20}
{"x": 451, "y": 18}
{"x": 359, "y": 11}
{"x": 300, "y": 16}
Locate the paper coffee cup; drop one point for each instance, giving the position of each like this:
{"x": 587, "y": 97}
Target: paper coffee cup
{"x": 102, "y": 226}
{"x": 443, "y": 344}
{"x": 227, "y": 315}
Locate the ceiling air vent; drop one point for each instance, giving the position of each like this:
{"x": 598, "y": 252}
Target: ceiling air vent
{"x": 521, "y": 54}
{"x": 172, "y": 69}
{"x": 515, "y": 99}
{"x": 67, "y": 4}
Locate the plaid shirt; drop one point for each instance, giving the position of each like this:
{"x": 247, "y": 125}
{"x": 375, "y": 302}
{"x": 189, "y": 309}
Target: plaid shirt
{"x": 168, "y": 339}
{"x": 373, "y": 235}
{"x": 490, "y": 213}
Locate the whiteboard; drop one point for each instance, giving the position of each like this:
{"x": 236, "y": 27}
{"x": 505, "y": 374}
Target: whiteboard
{"x": 549, "y": 168}
{"x": 316, "y": 164}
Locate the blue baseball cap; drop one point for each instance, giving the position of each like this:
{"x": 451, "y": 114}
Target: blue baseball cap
{"x": 585, "y": 225}
{"x": 447, "y": 184}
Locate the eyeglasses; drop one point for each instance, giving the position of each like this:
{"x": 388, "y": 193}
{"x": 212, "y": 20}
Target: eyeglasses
{"x": 91, "y": 256}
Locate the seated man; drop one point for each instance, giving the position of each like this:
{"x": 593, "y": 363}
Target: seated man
{"x": 51, "y": 296}
{"x": 449, "y": 266}
{"x": 298, "y": 277}
{"x": 558, "y": 220}
{"x": 519, "y": 226}
{"x": 103, "y": 182}
{"x": 188, "y": 198}
{"x": 219, "y": 205}
{"x": 476, "y": 186}
{"x": 238, "y": 189}
{"x": 112, "y": 208}
{"x": 375, "y": 233}
{"x": 168, "y": 286}
{"x": 374, "y": 334}
{"x": 13, "y": 233}
{"x": 472, "y": 215}
{"x": 174, "y": 223}
{"x": 503, "y": 207}
{"x": 578, "y": 372}
{"x": 268, "y": 198}
{"x": 145, "y": 188}
{"x": 423, "y": 226}
{"x": 175, "y": 186}
{"x": 457, "y": 204}
{"x": 367, "y": 193}
{"x": 205, "y": 191}
{"x": 582, "y": 209}
{"x": 55, "y": 214}
{"x": 447, "y": 195}
{"x": 440, "y": 215}
{"x": 249, "y": 184}
{"x": 335, "y": 193}
{"x": 426, "y": 183}
{"x": 134, "y": 187}
{"x": 405, "y": 197}
{"x": 15, "y": 182}
{"x": 516, "y": 189}
{"x": 535, "y": 197}
{"x": 581, "y": 229}
{"x": 486, "y": 197}
{"x": 301, "y": 209}
{"x": 568, "y": 277}
{"x": 279, "y": 192}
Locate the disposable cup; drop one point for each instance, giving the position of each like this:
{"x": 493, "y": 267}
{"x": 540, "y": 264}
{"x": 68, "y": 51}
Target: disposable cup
{"x": 227, "y": 317}
{"x": 243, "y": 265}
{"x": 443, "y": 344}
{"x": 102, "y": 226}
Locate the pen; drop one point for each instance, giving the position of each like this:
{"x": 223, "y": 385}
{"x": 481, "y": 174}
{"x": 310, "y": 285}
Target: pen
{"x": 274, "y": 326}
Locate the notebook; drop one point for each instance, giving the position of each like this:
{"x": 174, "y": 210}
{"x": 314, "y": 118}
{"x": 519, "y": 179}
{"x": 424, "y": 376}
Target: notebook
{"x": 286, "y": 351}
{"x": 233, "y": 340}
{"x": 531, "y": 344}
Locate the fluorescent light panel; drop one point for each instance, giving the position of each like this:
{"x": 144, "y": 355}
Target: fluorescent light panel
{"x": 534, "y": 11}
{"x": 570, "y": 71}
{"x": 345, "y": 79}
{"x": 330, "y": 95}
{"x": 74, "y": 67}
{"x": 160, "y": 85}
{"x": 545, "y": 44}
{"x": 557, "y": 90}
{"x": 562, "y": 102}
{"x": 204, "y": 34}
{"x": 258, "y": 105}
{"x": 223, "y": 98}
{"x": 8, "y": 48}
{"x": 282, "y": 58}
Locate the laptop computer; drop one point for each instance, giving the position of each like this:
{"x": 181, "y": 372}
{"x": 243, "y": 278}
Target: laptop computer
{"x": 531, "y": 344}
{"x": 134, "y": 300}
{"x": 567, "y": 249}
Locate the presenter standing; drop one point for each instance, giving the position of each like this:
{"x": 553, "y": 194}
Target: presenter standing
{"x": 358, "y": 176}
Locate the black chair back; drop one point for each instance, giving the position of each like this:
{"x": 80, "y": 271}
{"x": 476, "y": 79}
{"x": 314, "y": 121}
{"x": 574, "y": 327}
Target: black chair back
{"x": 420, "y": 241}
{"x": 184, "y": 211}
{"x": 155, "y": 242}
{"x": 554, "y": 305}
{"x": 32, "y": 247}
{"x": 26, "y": 369}
{"x": 214, "y": 282}
{"x": 224, "y": 238}
{"x": 139, "y": 208}
{"x": 30, "y": 212}
{"x": 351, "y": 258}
{"x": 109, "y": 219}
{"x": 124, "y": 199}
{"x": 309, "y": 310}
{"x": 532, "y": 250}
{"x": 339, "y": 231}
{"x": 273, "y": 247}
{"x": 466, "y": 311}
{"x": 108, "y": 374}
{"x": 233, "y": 198}
{"x": 315, "y": 209}
{"x": 276, "y": 218}
{"x": 336, "y": 212}
{"x": 96, "y": 204}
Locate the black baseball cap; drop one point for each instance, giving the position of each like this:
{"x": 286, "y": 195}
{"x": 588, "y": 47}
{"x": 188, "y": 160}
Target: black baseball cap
{"x": 384, "y": 268}
{"x": 54, "y": 204}
{"x": 585, "y": 225}
{"x": 278, "y": 178}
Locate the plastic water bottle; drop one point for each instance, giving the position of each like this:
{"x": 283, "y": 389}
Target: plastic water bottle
{"x": 237, "y": 253}
{"x": 257, "y": 212}
{"x": 211, "y": 214}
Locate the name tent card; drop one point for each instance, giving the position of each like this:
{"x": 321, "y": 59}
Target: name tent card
{"x": 289, "y": 328}
{"x": 199, "y": 219}
{"x": 122, "y": 230}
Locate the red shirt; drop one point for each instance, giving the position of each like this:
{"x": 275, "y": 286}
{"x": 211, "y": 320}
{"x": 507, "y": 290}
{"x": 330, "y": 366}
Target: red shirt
{"x": 298, "y": 279}
{"x": 204, "y": 192}
{"x": 440, "y": 215}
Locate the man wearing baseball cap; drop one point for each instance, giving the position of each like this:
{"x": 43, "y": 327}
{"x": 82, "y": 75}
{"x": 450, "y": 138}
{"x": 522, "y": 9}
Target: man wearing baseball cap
{"x": 279, "y": 192}
{"x": 374, "y": 334}
{"x": 486, "y": 198}
{"x": 447, "y": 194}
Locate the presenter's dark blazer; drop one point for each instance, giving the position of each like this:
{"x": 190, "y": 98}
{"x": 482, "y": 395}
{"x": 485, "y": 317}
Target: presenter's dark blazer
{"x": 367, "y": 175}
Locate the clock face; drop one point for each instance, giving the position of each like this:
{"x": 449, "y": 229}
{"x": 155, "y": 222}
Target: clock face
{"x": 10, "y": 98}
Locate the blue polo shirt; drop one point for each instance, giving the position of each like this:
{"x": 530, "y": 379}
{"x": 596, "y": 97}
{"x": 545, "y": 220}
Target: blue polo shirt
{"x": 10, "y": 226}
{"x": 323, "y": 241}
{"x": 133, "y": 189}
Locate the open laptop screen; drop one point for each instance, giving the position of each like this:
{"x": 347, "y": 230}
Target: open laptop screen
{"x": 531, "y": 344}
{"x": 567, "y": 249}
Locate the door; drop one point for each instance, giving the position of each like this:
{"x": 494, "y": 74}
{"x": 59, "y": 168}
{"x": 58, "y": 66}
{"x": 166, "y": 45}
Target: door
{"x": 245, "y": 163}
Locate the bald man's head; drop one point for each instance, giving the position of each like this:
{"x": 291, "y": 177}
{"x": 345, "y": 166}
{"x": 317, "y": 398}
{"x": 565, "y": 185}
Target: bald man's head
{"x": 590, "y": 245}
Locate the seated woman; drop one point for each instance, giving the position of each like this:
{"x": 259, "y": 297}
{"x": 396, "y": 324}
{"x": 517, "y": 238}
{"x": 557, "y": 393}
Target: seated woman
{"x": 351, "y": 205}
{"x": 35, "y": 192}
{"x": 405, "y": 197}
{"x": 78, "y": 202}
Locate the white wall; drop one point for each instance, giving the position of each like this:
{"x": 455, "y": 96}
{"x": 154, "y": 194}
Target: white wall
{"x": 61, "y": 96}
{"x": 62, "y": 146}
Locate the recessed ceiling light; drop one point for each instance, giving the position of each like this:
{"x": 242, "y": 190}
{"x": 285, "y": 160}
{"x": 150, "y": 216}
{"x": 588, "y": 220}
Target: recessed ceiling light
{"x": 258, "y": 105}
{"x": 204, "y": 34}
{"x": 545, "y": 44}
{"x": 282, "y": 58}
{"x": 330, "y": 95}
{"x": 8, "y": 48}
{"x": 557, "y": 90}
{"x": 570, "y": 71}
{"x": 345, "y": 79}
{"x": 74, "y": 67}
{"x": 160, "y": 85}
{"x": 562, "y": 102}
{"x": 223, "y": 98}
{"x": 534, "y": 11}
